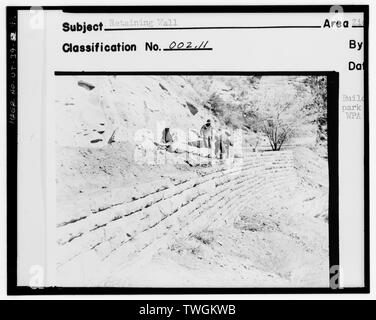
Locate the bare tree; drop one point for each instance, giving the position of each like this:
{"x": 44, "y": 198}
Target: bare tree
{"x": 281, "y": 113}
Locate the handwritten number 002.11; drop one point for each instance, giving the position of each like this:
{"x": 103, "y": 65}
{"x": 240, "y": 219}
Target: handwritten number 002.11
{"x": 187, "y": 45}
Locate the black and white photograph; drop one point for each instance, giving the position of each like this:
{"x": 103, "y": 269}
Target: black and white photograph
{"x": 186, "y": 152}
{"x": 192, "y": 181}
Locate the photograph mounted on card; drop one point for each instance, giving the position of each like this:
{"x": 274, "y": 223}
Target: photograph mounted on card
{"x": 188, "y": 149}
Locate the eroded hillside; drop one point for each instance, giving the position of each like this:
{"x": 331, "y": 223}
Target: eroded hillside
{"x": 130, "y": 213}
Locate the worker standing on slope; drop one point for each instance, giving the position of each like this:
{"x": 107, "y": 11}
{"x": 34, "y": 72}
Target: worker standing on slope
{"x": 167, "y": 139}
{"x": 207, "y": 134}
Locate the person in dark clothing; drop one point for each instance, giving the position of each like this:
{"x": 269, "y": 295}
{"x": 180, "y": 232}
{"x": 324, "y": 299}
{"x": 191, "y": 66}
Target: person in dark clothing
{"x": 166, "y": 136}
{"x": 207, "y": 134}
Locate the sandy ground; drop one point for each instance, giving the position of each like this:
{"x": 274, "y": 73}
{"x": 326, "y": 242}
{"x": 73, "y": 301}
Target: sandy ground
{"x": 281, "y": 248}
{"x": 283, "y": 244}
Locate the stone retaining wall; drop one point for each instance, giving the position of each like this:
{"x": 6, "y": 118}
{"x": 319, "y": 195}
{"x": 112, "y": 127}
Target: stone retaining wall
{"x": 113, "y": 228}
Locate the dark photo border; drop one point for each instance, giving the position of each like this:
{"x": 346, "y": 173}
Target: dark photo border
{"x": 333, "y": 110}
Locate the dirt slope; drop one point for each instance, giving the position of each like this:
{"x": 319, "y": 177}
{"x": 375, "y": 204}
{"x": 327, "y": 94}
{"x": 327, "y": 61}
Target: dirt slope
{"x": 284, "y": 243}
